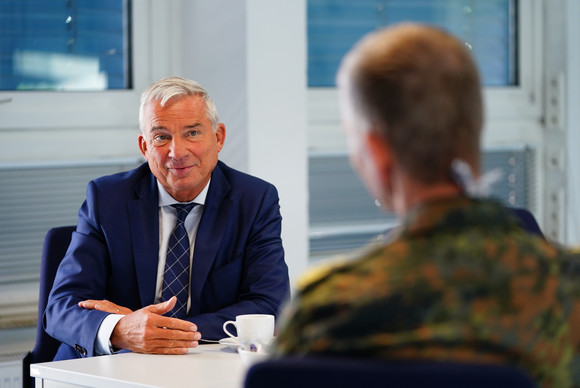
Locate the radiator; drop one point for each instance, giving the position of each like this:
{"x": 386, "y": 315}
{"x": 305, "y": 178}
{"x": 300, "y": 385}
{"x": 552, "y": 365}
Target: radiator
{"x": 344, "y": 217}
{"x": 10, "y": 372}
{"x": 33, "y": 199}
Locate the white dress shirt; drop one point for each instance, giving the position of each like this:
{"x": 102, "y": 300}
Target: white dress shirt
{"x": 167, "y": 220}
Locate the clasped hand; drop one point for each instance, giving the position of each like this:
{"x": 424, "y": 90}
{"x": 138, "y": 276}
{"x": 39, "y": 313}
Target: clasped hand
{"x": 147, "y": 330}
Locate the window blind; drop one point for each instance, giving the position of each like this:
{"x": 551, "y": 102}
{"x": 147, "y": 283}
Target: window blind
{"x": 33, "y": 199}
{"x": 344, "y": 217}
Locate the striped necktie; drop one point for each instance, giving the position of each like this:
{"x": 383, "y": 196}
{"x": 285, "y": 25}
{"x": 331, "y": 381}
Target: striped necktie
{"x": 176, "y": 275}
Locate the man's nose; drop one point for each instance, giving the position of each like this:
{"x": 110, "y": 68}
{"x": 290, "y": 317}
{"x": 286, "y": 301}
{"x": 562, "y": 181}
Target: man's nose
{"x": 177, "y": 148}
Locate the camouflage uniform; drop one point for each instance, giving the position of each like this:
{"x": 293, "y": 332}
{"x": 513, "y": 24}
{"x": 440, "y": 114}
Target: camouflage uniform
{"x": 461, "y": 281}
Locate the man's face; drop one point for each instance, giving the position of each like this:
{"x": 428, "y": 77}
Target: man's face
{"x": 362, "y": 161}
{"x": 358, "y": 140}
{"x": 180, "y": 145}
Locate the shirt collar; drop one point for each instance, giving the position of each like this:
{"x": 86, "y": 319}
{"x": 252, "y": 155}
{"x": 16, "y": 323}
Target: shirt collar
{"x": 165, "y": 199}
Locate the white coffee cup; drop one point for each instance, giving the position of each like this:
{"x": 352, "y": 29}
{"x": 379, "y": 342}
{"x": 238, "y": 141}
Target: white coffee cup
{"x": 258, "y": 328}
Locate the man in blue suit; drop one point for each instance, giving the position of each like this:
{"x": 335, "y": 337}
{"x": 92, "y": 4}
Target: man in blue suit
{"x": 109, "y": 292}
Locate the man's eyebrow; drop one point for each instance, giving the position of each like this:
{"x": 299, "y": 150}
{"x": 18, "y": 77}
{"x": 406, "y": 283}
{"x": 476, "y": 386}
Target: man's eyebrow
{"x": 162, "y": 128}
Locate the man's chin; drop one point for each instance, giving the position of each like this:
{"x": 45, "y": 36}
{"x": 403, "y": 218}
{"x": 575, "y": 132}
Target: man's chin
{"x": 183, "y": 189}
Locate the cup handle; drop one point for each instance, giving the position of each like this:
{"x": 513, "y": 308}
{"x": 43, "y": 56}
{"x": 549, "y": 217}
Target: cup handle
{"x": 226, "y": 330}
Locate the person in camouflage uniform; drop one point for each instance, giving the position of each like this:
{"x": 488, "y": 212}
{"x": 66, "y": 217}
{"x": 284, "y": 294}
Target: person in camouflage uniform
{"x": 459, "y": 280}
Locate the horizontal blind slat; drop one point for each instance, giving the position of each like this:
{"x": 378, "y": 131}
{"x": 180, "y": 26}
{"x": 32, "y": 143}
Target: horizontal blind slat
{"x": 341, "y": 211}
{"x": 32, "y": 201}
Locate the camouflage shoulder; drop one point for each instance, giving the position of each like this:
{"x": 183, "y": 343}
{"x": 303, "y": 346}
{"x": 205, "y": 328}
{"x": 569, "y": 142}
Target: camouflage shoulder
{"x": 318, "y": 272}
{"x": 571, "y": 251}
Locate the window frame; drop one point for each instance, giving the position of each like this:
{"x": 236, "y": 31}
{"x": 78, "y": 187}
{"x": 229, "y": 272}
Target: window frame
{"x": 514, "y": 115}
{"x": 523, "y": 100}
{"x": 502, "y": 103}
{"x": 71, "y": 109}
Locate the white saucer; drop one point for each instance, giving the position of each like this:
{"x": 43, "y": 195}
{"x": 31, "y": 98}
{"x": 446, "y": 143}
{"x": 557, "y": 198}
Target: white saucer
{"x": 250, "y": 358}
{"x": 230, "y": 342}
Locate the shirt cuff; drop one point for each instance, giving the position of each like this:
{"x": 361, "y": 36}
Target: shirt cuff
{"x": 103, "y": 343}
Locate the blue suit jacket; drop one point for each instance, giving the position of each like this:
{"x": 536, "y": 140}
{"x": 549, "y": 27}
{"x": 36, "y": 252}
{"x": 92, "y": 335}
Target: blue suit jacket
{"x": 238, "y": 263}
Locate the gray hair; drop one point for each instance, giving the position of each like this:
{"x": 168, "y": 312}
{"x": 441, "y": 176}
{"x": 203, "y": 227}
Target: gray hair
{"x": 176, "y": 87}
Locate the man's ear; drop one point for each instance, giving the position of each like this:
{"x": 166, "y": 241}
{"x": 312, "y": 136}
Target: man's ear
{"x": 220, "y": 134}
{"x": 381, "y": 155}
{"x": 142, "y": 145}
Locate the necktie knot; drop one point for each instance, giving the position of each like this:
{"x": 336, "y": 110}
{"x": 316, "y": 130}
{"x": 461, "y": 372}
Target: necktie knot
{"x": 183, "y": 210}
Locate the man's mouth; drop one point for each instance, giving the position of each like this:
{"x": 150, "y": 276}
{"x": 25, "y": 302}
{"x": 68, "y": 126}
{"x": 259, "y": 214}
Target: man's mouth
{"x": 180, "y": 169}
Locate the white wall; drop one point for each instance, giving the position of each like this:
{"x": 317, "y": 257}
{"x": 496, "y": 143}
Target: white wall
{"x": 573, "y": 120}
{"x": 214, "y": 51}
{"x": 277, "y": 149}
{"x": 251, "y": 56}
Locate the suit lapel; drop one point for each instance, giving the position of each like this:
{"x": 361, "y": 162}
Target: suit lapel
{"x": 144, "y": 221}
{"x": 209, "y": 234}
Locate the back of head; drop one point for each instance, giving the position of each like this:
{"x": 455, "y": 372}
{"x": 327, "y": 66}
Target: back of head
{"x": 170, "y": 88}
{"x": 418, "y": 87}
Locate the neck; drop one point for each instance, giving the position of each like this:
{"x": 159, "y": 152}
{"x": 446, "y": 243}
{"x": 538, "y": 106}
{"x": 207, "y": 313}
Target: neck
{"x": 408, "y": 193}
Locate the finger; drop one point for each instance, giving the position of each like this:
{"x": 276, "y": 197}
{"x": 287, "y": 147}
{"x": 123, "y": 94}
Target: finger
{"x": 177, "y": 335}
{"x": 104, "y": 305}
{"x": 163, "y": 307}
{"x": 168, "y": 323}
{"x": 168, "y": 338}
{"x": 119, "y": 310}
{"x": 168, "y": 342}
{"x": 88, "y": 304}
{"x": 92, "y": 304}
{"x": 170, "y": 350}
{"x": 116, "y": 309}
{"x": 172, "y": 346}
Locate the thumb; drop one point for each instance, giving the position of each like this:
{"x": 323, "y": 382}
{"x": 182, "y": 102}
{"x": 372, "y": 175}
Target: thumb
{"x": 163, "y": 307}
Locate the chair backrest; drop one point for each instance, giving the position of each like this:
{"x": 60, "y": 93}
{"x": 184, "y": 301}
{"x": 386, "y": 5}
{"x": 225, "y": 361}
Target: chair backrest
{"x": 527, "y": 221}
{"x": 316, "y": 372}
{"x": 55, "y": 245}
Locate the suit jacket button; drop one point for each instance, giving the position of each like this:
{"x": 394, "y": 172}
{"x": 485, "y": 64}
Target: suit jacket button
{"x": 81, "y": 350}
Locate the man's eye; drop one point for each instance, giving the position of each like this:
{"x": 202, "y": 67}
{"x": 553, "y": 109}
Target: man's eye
{"x": 160, "y": 138}
{"x": 193, "y": 133}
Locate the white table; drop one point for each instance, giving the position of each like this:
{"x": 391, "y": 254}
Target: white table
{"x": 212, "y": 365}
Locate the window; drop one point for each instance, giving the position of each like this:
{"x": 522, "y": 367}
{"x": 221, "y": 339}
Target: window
{"x": 67, "y": 64}
{"x": 487, "y": 27}
{"x": 64, "y": 45}
{"x": 505, "y": 37}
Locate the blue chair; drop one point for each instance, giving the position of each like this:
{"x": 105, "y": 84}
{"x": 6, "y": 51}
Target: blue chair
{"x": 318, "y": 372}
{"x": 527, "y": 221}
{"x": 56, "y": 243}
